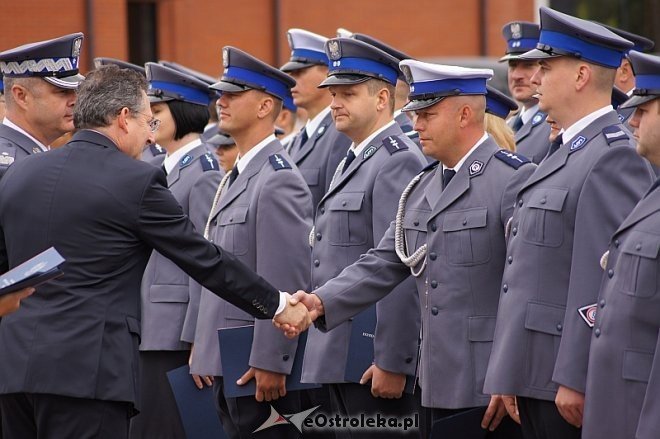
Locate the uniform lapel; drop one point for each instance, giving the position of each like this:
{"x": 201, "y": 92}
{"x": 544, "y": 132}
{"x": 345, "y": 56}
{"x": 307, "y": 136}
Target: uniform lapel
{"x": 195, "y": 153}
{"x": 524, "y": 131}
{"x": 311, "y": 142}
{"x": 647, "y": 206}
{"x": 19, "y": 139}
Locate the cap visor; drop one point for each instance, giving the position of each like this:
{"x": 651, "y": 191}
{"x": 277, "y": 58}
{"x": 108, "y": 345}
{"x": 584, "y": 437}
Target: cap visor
{"x": 634, "y": 101}
{"x": 295, "y": 65}
{"x": 415, "y": 105}
{"x": 536, "y": 54}
{"x": 156, "y": 99}
{"x": 343, "y": 80}
{"x": 228, "y": 87}
{"x": 68, "y": 82}
{"x": 220, "y": 140}
{"x": 511, "y": 56}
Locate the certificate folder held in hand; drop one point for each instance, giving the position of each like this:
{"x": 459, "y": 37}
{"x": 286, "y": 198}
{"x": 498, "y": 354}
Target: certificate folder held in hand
{"x": 235, "y": 347}
{"x": 35, "y": 271}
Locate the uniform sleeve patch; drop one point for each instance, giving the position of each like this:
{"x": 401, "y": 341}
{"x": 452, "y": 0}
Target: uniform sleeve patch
{"x": 588, "y": 314}
{"x": 209, "y": 163}
{"x": 278, "y": 162}
{"x": 578, "y": 143}
{"x": 394, "y": 144}
{"x": 512, "y": 159}
{"x": 156, "y": 149}
{"x": 6, "y": 159}
{"x": 538, "y": 118}
{"x": 613, "y": 133}
{"x": 185, "y": 161}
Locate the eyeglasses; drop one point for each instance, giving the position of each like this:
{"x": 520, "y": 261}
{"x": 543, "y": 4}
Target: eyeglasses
{"x": 153, "y": 123}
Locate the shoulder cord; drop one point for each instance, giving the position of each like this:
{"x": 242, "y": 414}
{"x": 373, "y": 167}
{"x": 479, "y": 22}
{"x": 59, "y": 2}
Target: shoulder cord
{"x": 400, "y": 238}
{"x": 221, "y": 186}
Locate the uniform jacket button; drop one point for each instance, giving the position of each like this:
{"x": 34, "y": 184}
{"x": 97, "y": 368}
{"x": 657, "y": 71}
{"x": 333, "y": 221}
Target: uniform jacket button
{"x": 434, "y": 284}
{"x": 318, "y": 236}
{"x": 416, "y": 222}
{"x": 616, "y": 243}
{"x": 317, "y": 262}
{"x": 610, "y": 273}
{"x": 514, "y": 231}
{"x": 409, "y": 360}
{"x": 505, "y": 288}
{"x": 434, "y": 311}
{"x": 510, "y": 259}
{"x": 322, "y": 210}
{"x": 433, "y": 256}
{"x": 434, "y": 227}
{"x": 285, "y": 357}
{"x": 602, "y": 303}
{"x": 559, "y": 327}
{"x": 520, "y": 202}
{"x": 597, "y": 332}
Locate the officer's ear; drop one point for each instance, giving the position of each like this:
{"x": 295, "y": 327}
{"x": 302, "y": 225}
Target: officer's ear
{"x": 584, "y": 75}
{"x": 19, "y": 96}
{"x": 383, "y": 99}
{"x": 465, "y": 115}
{"x": 122, "y": 119}
{"x": 266, "y": 107}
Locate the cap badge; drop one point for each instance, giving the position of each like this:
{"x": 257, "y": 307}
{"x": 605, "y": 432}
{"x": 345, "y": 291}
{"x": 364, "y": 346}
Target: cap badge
{"x": 225, "y": 58}
{"x": 77, "y": 43}
{"x": 335, "y": 50}
{"x": 516, "y": 31}
{"x": 407, "y": 73}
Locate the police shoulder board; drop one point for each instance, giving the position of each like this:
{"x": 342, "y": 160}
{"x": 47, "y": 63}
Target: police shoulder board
{"x": 511, "y": 158}
{"x": 278, "y": 162}
{"x": 209, "y": 163}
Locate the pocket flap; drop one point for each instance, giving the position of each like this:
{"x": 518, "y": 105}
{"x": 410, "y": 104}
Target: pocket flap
{"x": 481, "y": 328}
{"x": 548, "y": 199}
{"x": 642, "y": 244}
{"x": 416, "y": 219}
{"x": 637, "y": 365}
{"x": 133, "y": 326}
{"x": 465, "y": 219}
{"x": 545, "y": 317}
{"x": 169, "y": 293}
{"x": 234, "y": 215}
{"x": 350, "y": 201}
{"x": 311, "y": 176}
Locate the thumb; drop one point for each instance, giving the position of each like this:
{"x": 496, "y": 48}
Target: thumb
{"x": 247, "y": 376}
{"x": 366, "y": 376}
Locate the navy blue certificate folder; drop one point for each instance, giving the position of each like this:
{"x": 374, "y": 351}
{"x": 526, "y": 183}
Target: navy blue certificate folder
{"x": 235, "y": 347}
{"x": 196, "y": 407}
{"x": 361, "y": 348}
{"x": 41, "y": 268}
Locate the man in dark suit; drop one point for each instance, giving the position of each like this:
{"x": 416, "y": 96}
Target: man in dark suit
{"x": 39, "y": 82}
{"x": 70, "y": 354}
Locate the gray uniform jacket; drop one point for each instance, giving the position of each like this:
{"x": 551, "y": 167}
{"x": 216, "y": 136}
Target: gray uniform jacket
{"x": 318, "y": 158}
{"x": 352, "y": 218}
{"x": 154, "y": 154}
{"x": 166, "y": 289}
{"x": 14, "y": 146}
{"x": 532, "y": 138}
{"x": 564, "y": 217}
{"x": 458, "y": 289}
{"x": 623, "y": 379}
{"x": 264, "y": 219}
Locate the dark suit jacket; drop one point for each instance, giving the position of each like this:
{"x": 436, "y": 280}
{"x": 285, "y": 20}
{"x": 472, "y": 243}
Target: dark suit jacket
{"x": 104, "y": 212}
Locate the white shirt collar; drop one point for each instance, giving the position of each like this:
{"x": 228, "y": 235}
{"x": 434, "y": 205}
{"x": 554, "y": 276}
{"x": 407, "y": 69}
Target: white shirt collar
{"x": 172, "y": 160}
{"x": 313, "y": 124}
{"x": 243, "y": 161}
{"x": 581, "y": 124}
{"x": 359, "y": 148}
{"x": 465, "y": 157}
{"x": 11, "y": 124}
{"x": 528, "y": 113}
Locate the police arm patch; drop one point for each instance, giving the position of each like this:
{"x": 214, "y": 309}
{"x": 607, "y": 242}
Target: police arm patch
{"x": 394, "y": 144}
{"x": 278, "y": 162}
{"x": 209, "y": 163}
{"x": 511, "y": 158}
{"x": 588, "y": 314}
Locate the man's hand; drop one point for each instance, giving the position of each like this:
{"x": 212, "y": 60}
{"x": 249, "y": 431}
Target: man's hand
{"x": 384, "y": 384}
{"x": 199, "y": 380}
{"x": 12, "y": 301}
{"x": 511, "y": 406}
{"x": 312, "y": 302}
{"x": 494, "y": 413}
{"x": 571, "y": 405}
{"x": 294, "y": 319}
{"x": 270, "y": 385}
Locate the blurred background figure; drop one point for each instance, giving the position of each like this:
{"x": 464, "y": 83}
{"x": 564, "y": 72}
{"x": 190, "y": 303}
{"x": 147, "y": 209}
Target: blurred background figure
{"x": 498, "y": 108}
{"x": 225, "y": 150}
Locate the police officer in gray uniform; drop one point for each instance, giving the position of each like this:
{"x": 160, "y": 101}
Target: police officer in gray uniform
{"x": 623, "y": 378}
{"x": 319, "y": 147}
{"x": 262, "y": 213}
{"x": 531, "y": 131}
{"x": 351, "y": 218}
{"x": 564, "y": 216}
{"x": 39, "y": 85}
{"x": 180, "y": 102}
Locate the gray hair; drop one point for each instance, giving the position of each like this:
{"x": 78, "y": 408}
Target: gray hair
{"x": 103, "y": 94}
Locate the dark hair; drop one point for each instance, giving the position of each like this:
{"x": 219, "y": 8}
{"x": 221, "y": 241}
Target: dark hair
{"x": 188, "y": 118}
{"x": 103, "y": 94}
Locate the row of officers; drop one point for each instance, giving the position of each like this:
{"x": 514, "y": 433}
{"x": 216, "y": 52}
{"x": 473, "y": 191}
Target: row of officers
{"x": 513, "y": 264}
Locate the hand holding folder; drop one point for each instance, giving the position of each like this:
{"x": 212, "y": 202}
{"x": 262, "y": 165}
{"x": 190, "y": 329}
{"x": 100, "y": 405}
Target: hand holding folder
{"x": 41, "y": 268}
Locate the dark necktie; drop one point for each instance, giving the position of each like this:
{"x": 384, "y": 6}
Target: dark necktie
{"x": 163, "y": 169}
{"x": 232, "y": 176}
{"x": 350, "y": 156}
{"x": 303, "y": 136}
{"x": 517, "y": 123}
{"x": 447, "y": 175}
{"x": 554, "y": 146}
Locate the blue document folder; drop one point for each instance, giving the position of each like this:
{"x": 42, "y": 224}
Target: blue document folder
{"x": 41, "y": 268}
{"x": 196, "y": 407}
{"x": 361, "y": 348}
{"x": 235, "y": 347}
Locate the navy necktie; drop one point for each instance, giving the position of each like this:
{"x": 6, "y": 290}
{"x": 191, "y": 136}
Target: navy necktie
{"x": 447, "y": 175}
{"x": 232, "y": 175}
{"x": 517, "y": 123}
{"x": 350, "y": 156}
{"x": 554, "y": 146}
{"x": 303, "y": 136}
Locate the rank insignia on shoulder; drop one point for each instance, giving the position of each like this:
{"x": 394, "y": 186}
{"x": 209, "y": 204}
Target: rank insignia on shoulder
{"x": 36, "y": 150}
{"x": 156, "y": 149}
{"x": 278, "y": 162}
{"x": 394, "y": 144}
{"x": 512, "y": 159}
{"x": 538, "y": 118}
{"x": 185, "y": 161}
{"x": 578, "y": 143}
{"x": 613, "y": 133}
{"x": 588, "y": 314}
{"x": 6, "y": 159}
{"x": 621, "y": 118}
{"x": 209, "y": 163}
{"x": 369, "y": 152}
{"x": 476, "y": 168}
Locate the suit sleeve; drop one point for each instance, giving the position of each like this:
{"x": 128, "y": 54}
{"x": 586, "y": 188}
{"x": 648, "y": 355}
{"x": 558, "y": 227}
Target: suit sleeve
{"x": 614, "y": 185}
{"x": 199, "y": 202}
{"x": 398, "y": 315}
{"x": 284, "y": 220}
{"x": 649, "y": 422}
{"x": 162, "y": 224}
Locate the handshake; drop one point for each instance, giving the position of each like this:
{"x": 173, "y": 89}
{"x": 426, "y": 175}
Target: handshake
{"x": 301, "y": 310}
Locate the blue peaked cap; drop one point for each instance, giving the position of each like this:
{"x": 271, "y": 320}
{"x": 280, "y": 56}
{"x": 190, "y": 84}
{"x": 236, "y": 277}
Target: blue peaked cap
{"x": 647, "y": 79}
{"x": 499, "y": 104}
{"x": 166, "y": 84}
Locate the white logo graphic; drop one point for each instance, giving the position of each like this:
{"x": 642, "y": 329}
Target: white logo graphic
{"x": 295, "y": 419}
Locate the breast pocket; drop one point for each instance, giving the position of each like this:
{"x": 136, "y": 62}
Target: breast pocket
{"x": 310, "y": 175}
{"x": 542, "y": 223}
{"x": 348, "y": 223}
{"x": 414, "y": 227}
{"x": 466, "y": 236}
{"x": 233, "y": 230}
{"x": 637, "y": 267}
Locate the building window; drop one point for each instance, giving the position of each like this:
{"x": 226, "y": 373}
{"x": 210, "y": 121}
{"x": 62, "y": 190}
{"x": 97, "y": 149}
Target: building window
{"x": 142, "y": 31}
